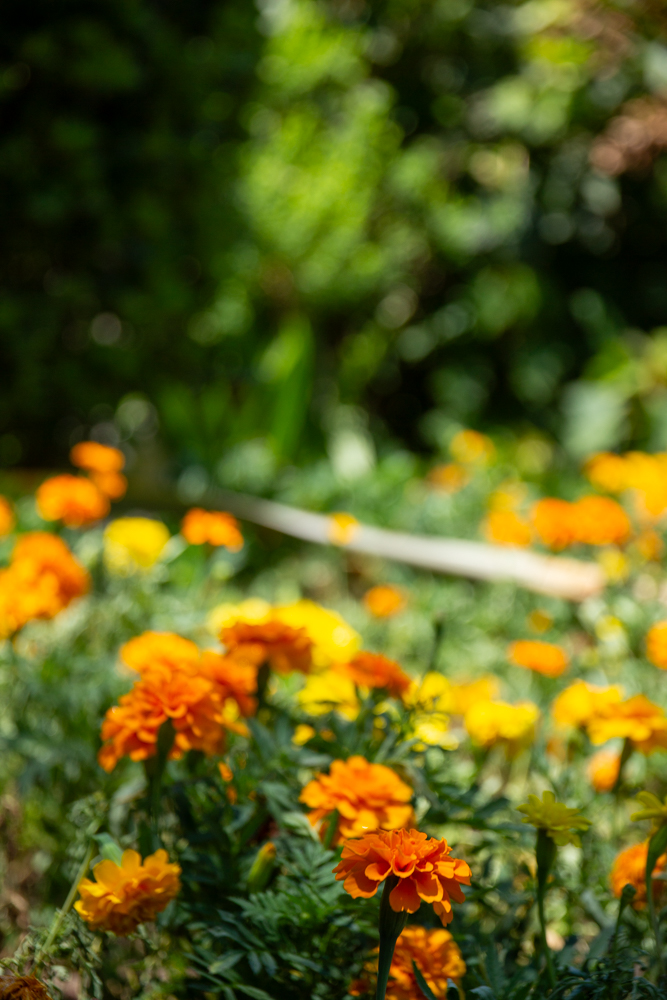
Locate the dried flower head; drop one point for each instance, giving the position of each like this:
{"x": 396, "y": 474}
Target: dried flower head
{"x": 421, "y": 868}
{"x": 126, "y": 895}
{"x": 559, "y": 821}
{"x": 384, "y": 601}
{"x": 213, "y": 526}
{"x": 629, "y": 868}
{"x": 14, "y": 987}
{"x": 367, "y": 797}
{"x": 543, "y": 657}
{"x": 284, "y": 648}
{"x": 71, "y": 499}
{"x": 372, "y": 670}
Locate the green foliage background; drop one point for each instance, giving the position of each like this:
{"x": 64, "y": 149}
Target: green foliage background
{"x": 261, "y": 223}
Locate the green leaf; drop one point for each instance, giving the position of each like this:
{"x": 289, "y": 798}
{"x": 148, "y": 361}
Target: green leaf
{"x": 252, "y": 991}
{"x": 109, "y": 849}
{"x": 421, "y": 982}
{"x": 656, "y": 847}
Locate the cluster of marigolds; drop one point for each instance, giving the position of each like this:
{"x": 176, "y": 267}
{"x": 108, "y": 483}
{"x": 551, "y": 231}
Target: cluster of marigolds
{"x": 206, "y": 694}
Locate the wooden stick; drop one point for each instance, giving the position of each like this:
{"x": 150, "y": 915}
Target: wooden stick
{"x": 555, "y": 575}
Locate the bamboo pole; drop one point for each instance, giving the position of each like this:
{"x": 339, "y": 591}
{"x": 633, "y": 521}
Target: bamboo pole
{"x": 572, "y": 579}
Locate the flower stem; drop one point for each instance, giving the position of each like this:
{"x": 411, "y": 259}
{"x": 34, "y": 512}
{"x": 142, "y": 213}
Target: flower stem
{"x": 625, "y": 756}
{"x": 545, "y": 855}
{"x": 391, "y": 925}
{"x": 57, "y": 921}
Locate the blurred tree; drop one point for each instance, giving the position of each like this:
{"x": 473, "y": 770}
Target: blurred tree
{"x": 268, "y": 219}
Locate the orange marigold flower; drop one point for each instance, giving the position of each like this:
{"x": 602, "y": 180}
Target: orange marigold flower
{"x": 190, "y": 701}
{"x": 384, "y": 601}
{"x": 112, "y": 484}
{"x": 161, "y": 649}
{"x": 641, "y": 721}
{"x": 505, "y": 527}
{"x": 284, "y": 648}
{"x": 629, "y": 868}
{"x": 580, "y": 702}
{"x": 553, "y": 522}
{"x": 542, "y": 657}
{"x": 649, "y": 544}
{"x": 421, "y": 866}
{"x": 372, "y": 670}
{"x": 126, "y": 895}
{"x": 13, "y": 987}
{"x": 647, "y": 477}
{"x": 95, "y": 457}
{"x": 496, "y": 722}
{"x": 602, "y": 770}
{"x": 656, "y": 644}
{"x": 42, "y": 579}
{"x": 232, "y": 678}
{"x": 71, "y": 499}
{"x": 600, "y": 521}
{"x": 366, "y": 797}
{"x": 607, "y": 472}
{"x": 213, "y": 526}
{"x": 472, "y": 448}
{"x": 7, "y": 519}
{"x": 437, "y": 956}
{"x": 451, "y": 477}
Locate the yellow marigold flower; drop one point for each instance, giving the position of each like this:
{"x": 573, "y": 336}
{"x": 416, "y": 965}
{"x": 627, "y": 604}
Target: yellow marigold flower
{"x": 600, "y": 521}
{"x": 656, "y": 644}
{"x": 451, "y": 477}
{"x": 602, "y": 770}
{"x": 647, "y": 477}
{"x": 71, "y": 499}
{"x": 496, "y": 722}
{"x": 641, "y": 721}
{"x": 472, "y": 448}
{"x": 505, "y": 527}
{"x": 334, "y": 641}
{"x": 384, "y": 601}
{"x": 559, "y": 821}
{"x": 342, "y": 528}
{"x": 580, "y": 702}
{"x": 133, "y": 544}
{"x": 327, "y": 692}
{"x": 432, "y": 730}
{"x": 366, "y": 796}
{"x": 542, "y": 657}
{"x": 509, "y": 496}
{"x": 95, "y": 457}
{"x": 126, "y": 895}
{"x": 423, "y": 866}
{"x": 252, "y": 611}
{"x": 464, "y": 694}
{"x": 431, "y": 694}
{"x": 436, "y": 955}
{"x": 7, "y": 519}
{"x": 540, "y": 620}
{"x": 607, "y": 472}
{"x": 615, "y": 564}
{"x": 214, "y": 527}
{"x": 629, "y": 868}
{"x": 654, "y": 810}
{"x": 13, "y": 987}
